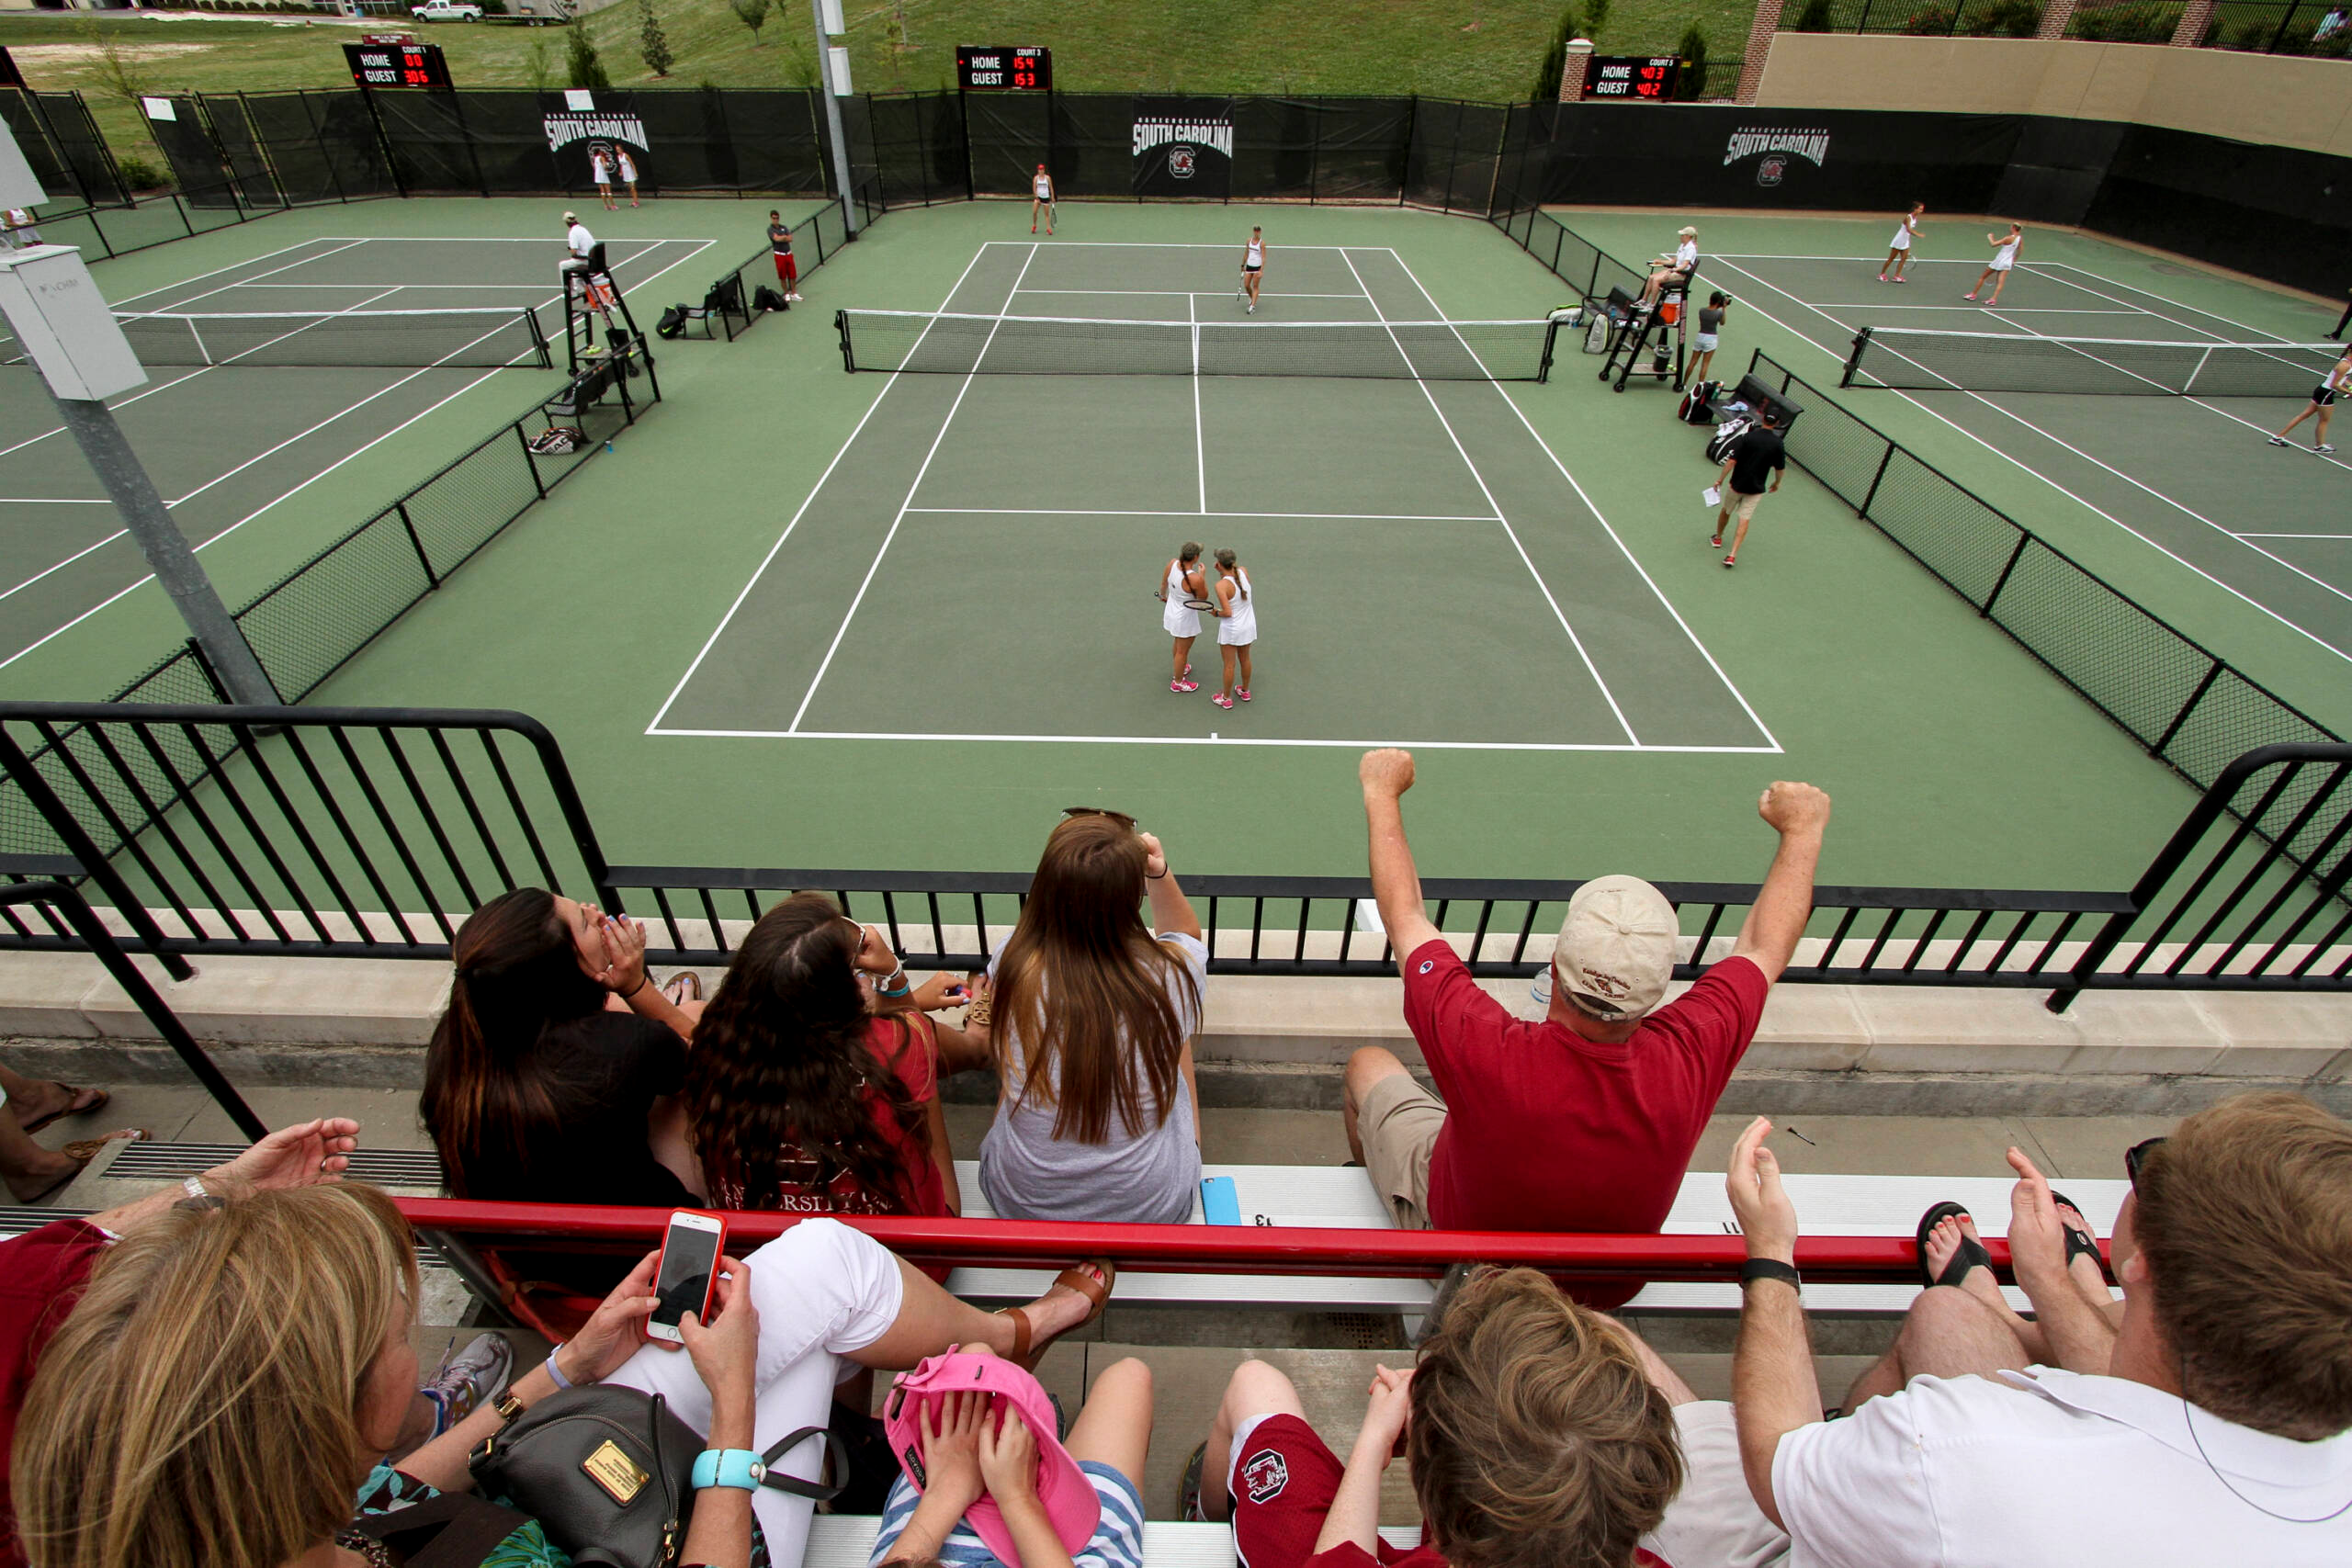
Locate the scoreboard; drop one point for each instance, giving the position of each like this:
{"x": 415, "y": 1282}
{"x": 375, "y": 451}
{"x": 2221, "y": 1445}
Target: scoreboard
{"x": 981, "y": 69}
{"x": 397, "y": 64}
{"x": 1633, "y": 77}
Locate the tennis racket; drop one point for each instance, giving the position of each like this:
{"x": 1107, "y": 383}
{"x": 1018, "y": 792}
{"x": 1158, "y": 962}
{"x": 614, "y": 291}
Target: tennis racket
{"x": 1206, "y": 606}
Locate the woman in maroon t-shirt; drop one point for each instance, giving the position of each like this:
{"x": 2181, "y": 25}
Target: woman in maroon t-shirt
{"x": 800, "y": 1097}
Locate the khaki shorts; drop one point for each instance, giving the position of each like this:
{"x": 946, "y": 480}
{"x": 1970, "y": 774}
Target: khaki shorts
{"x": 1744, "y": 506}
{"x": 1398, "y": 1124}
{"x": 1714, "y": 1519}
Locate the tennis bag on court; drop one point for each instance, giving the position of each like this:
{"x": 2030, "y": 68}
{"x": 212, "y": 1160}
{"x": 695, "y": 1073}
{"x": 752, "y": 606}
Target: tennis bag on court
{"x": 766, "y": 298}
{"x": 1699, "y": 403}
{"x": 672, "y": 322}
{"x": 1727, "y": 436}
{"x": 558, "y": 439}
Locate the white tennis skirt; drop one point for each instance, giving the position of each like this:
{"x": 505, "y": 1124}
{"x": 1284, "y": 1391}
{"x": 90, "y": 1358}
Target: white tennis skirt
{"x": 1180, "y": 621}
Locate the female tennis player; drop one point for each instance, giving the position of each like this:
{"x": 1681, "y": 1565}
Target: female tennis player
{"x": 600, "y": 165}
{"x": 1180, "y": 580}
{"x": 1236, "y": 625}
{"x": 2005, "y": 256}
{"x": 1253, "y": 272}
{"x": 1898, "y": 249}
{"x": 2322, "y": 403}
{"x": 1041, "y": 194}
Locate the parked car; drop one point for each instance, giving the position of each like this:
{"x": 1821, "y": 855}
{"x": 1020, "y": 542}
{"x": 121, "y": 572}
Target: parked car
{"x": 446, "y": 11}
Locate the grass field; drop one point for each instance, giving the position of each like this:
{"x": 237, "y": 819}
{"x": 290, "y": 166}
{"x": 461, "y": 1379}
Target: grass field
{"x": 1483, "y": 49}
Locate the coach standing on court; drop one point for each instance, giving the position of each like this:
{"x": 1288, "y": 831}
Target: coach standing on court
{"x": 1586, "y": 1119}
{"x": 1743, "y": 475}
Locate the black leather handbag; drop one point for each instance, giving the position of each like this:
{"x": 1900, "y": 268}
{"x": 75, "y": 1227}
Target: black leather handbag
{"x": 608, "y": 1473}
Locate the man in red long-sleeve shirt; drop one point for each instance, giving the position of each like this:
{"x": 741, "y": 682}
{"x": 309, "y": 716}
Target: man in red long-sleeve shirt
{"x": 1584, "y": 1120}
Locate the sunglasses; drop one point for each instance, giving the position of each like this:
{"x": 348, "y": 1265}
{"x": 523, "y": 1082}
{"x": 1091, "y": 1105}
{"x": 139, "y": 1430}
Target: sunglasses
{"x": 2137, "y": 1155}
{"x": 1121, "y": 817}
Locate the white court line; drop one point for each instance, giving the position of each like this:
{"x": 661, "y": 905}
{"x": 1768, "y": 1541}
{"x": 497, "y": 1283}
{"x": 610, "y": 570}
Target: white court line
{"x": 54, "y": 500}
{"x": 1112, "y": 511}
{"x": 842, "y": 630}
{"x": 1973, "y": 309}
{"x": 1200, "y": 439}
{"x": 616, "y": 264}
{"x": 2227, "y": 320}
{"x": 1203, "y": 741}
{"x": 2295, "y": 535}
{"x": 1737, "y": 696}
{"x": 158, "y": 386}
{"x": 807, "y": 500}
{"x": 198, "y": 277}
{"x": 2019, "y": 462}
{"x": 1157, "y": 293}
{"x": 181, "y": 305}
{"x": 1169, "y": 246}
{"x": 1540, "y": 586}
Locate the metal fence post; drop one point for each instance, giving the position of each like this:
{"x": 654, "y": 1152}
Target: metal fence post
{"x": 2212, "y": 674}
{"x": 1871, "y": 494}
{"x": 2007, "y": 567}
{"x": 531, "y": 460}
{"x": 415, "y": 544}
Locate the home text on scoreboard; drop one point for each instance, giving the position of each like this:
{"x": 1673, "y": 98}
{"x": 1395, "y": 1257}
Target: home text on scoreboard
{"x": 986, "y": 70}
{"x": 397, "y": 64}
{"x": 1634, "y": 76}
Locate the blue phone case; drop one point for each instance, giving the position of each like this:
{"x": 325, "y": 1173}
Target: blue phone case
{"x": 1220, "y": 1204}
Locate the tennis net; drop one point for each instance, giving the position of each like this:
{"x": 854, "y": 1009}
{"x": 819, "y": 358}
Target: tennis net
{"x": 283, "y": 338}
{"x": 1918, "y": 360}
{"x": 1065, "y": 345}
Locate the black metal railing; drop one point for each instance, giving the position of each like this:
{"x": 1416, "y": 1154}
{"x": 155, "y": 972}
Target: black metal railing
{"x": 1571, "y": 258}
{"x": 1920, "y": 18}
{"x": 2190, "y": 707}
{"x": 373, "y": 832}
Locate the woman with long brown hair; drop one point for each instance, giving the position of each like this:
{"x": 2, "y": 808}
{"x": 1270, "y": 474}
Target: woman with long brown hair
{"x": 221, "y": 1395}
{"x": 534, "y": 1089}
{"x": 1091, "y": 1015}
{"x": 798, "y": 1096}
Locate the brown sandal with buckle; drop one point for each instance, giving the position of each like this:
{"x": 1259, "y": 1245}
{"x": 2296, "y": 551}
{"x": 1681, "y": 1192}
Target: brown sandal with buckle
{"x": 1028, "y": 1351}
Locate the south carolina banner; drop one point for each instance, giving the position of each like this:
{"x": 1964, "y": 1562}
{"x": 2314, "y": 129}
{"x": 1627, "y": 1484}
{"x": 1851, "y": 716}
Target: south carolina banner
{"x": 1184, "y": 147}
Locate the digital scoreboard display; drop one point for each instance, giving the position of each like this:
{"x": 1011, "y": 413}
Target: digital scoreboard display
{"x": 985, "y": 70}
{"x": 397, "y": 64}
{"x": 1633, "y": 77}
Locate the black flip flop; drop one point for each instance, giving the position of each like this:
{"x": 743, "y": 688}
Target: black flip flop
{"x": 1188, "y": 1491}
{"x": 2078, "y": 1244}
{"x": 1971, "y": 1254}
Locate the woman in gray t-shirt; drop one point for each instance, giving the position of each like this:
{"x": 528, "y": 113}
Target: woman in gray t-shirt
{"x": 1091, "y": 1017}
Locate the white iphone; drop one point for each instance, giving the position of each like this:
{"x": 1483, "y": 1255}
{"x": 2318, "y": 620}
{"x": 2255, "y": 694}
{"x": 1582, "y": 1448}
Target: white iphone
{"x": 688, "y": 1274}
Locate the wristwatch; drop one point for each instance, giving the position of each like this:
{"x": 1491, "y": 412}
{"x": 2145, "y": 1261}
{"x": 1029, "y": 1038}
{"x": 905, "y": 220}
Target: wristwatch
{"x": 729, "y": 1467}
{"x": 1756, "y": 1268}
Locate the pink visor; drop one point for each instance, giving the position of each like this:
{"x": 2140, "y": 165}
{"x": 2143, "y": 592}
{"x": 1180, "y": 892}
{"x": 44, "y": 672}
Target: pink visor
{"x": 1069, "y": 1497}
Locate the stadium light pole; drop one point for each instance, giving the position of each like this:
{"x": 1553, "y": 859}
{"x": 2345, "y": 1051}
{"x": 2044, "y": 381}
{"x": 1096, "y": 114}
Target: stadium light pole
{"x": 65, "y": 326}
{"x": 827, "y": 15}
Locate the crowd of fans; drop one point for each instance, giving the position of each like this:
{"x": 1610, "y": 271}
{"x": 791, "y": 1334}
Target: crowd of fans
{"x": 221, "y": 1375}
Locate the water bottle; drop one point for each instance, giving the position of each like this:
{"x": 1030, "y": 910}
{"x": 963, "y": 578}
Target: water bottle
{"x": 608, "y": 444}
{"x": 1541, "y": 990}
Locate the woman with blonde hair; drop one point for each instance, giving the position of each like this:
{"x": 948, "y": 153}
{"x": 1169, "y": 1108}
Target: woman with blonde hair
{"x": 221, "y": 1395}
{"x": 1091, "y": 1013}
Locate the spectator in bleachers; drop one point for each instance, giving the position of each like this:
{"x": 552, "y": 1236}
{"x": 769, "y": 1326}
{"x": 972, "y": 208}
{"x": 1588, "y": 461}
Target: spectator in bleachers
{"x": 2219, "y": 1431}
{"x": 1585, "y": 1120}
{"x": 1532, "y": 1430}
{"x": 797, "y": 1096}
{"x": 536, "y": 1090}
{"x": 1091, "y": 1014}
{"x": 42, "y": 1272}
{"x": 1000, "y": 1445}
{"x": 222, "y": 1392}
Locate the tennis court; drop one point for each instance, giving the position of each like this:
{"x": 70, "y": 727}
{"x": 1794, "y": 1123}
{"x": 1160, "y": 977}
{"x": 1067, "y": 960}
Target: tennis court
{"x": 267, "y": 376}
{"x": 2192, "y": 475}
{"x": 1345, "y": 440}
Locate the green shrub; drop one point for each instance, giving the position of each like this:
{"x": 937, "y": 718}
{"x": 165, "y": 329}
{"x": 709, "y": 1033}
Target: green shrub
{"x": 580, "y": 57}
{"x": 1555, "y": 58}
{"x": 1693, "y": 50}
{"x": 1936, "y": 21}
{"x": 1815, "y": 18}
{"x": 138, "y": 174}
{"x": 2004, "y": 19}
{"x": 2147, "y": 22}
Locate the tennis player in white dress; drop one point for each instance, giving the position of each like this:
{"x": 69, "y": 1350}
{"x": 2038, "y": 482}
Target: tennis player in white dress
{"x": 1041, "y": 197}
{"x": 1898, "y": 249}
{"x": 1180, "y": 580}
{"x": 1253, "y": 273}
{"x": 1236, "y": 625}
{"x": 2005, "y": 256}
{"x": 600, "y": 165}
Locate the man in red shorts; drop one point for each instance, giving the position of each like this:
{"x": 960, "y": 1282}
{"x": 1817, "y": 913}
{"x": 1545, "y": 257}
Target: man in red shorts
{"x": 1532, "y": 1430}
{"x": 788, "y": 271}
{"x": 1585, "y": 1120}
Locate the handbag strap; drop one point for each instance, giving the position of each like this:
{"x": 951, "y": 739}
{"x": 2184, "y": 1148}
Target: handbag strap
{"x": 452, "y": 1530}
{"x": 820, "y": 1491}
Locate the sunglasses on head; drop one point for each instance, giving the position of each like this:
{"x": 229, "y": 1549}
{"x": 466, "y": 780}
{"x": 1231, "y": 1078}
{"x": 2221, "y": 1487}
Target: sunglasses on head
{"x": 1121, "y": 817}
{"x": 2137, "y": 1155}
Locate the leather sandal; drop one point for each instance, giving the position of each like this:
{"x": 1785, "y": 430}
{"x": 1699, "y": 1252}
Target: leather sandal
{"x": 1971, "y": 1255}
{"x": 1028, "y": 1349}
{"x": 2079, "y": 1243}
{"x": 74, "y": 1106}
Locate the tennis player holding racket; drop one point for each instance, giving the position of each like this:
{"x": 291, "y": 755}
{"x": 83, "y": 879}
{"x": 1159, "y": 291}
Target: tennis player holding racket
{"x": 1236, "y": 625}
{"x": 1180, "y": 580}
{"x": 1253, "y": 273}
{"x": 2005, "y": 257}
{"x": 1041, "y": 196}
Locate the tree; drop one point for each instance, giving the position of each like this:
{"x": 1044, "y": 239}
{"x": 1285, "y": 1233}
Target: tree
{"x": 652, "y": 43}
{"x": 539, "y": 64}
{"x": 1596, "y": 17}
{"x": 1555, "y": 58}
{"x": 753, "y": 13}
{"x": 580, "y": 57}
{"x": 1693, "y": 50}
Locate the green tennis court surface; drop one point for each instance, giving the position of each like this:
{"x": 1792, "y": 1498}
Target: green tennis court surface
{"x": 1360, "y": 504}
{"x": 228, "y": 443}
{"x": 2193, "y": 477}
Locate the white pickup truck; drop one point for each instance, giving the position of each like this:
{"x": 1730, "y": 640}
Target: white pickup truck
{"x": 446, "y": 11}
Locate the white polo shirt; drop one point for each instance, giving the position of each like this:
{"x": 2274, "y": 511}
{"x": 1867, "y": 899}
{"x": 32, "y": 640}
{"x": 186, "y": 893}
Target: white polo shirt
{"x": 580, "y": 241}
{"x": 1686, "y": 255}
{"x": 2049, "y": 1467}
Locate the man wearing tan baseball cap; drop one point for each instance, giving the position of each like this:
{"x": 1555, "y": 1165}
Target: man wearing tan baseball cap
{"x": 1585, "y": 1119}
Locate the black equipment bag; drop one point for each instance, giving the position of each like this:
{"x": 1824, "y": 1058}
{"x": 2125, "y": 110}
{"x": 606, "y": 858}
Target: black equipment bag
{"x": 1726, "y": 436}
{"x": 672, "y": 322}
{"x": 1699, "y": 403}
{"x": 766, "y": 298}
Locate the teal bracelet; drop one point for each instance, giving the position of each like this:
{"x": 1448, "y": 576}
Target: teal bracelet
{"x": 739, "y": 1467}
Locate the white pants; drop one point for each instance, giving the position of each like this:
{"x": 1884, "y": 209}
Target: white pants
{"x": 823, "y": 1291}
